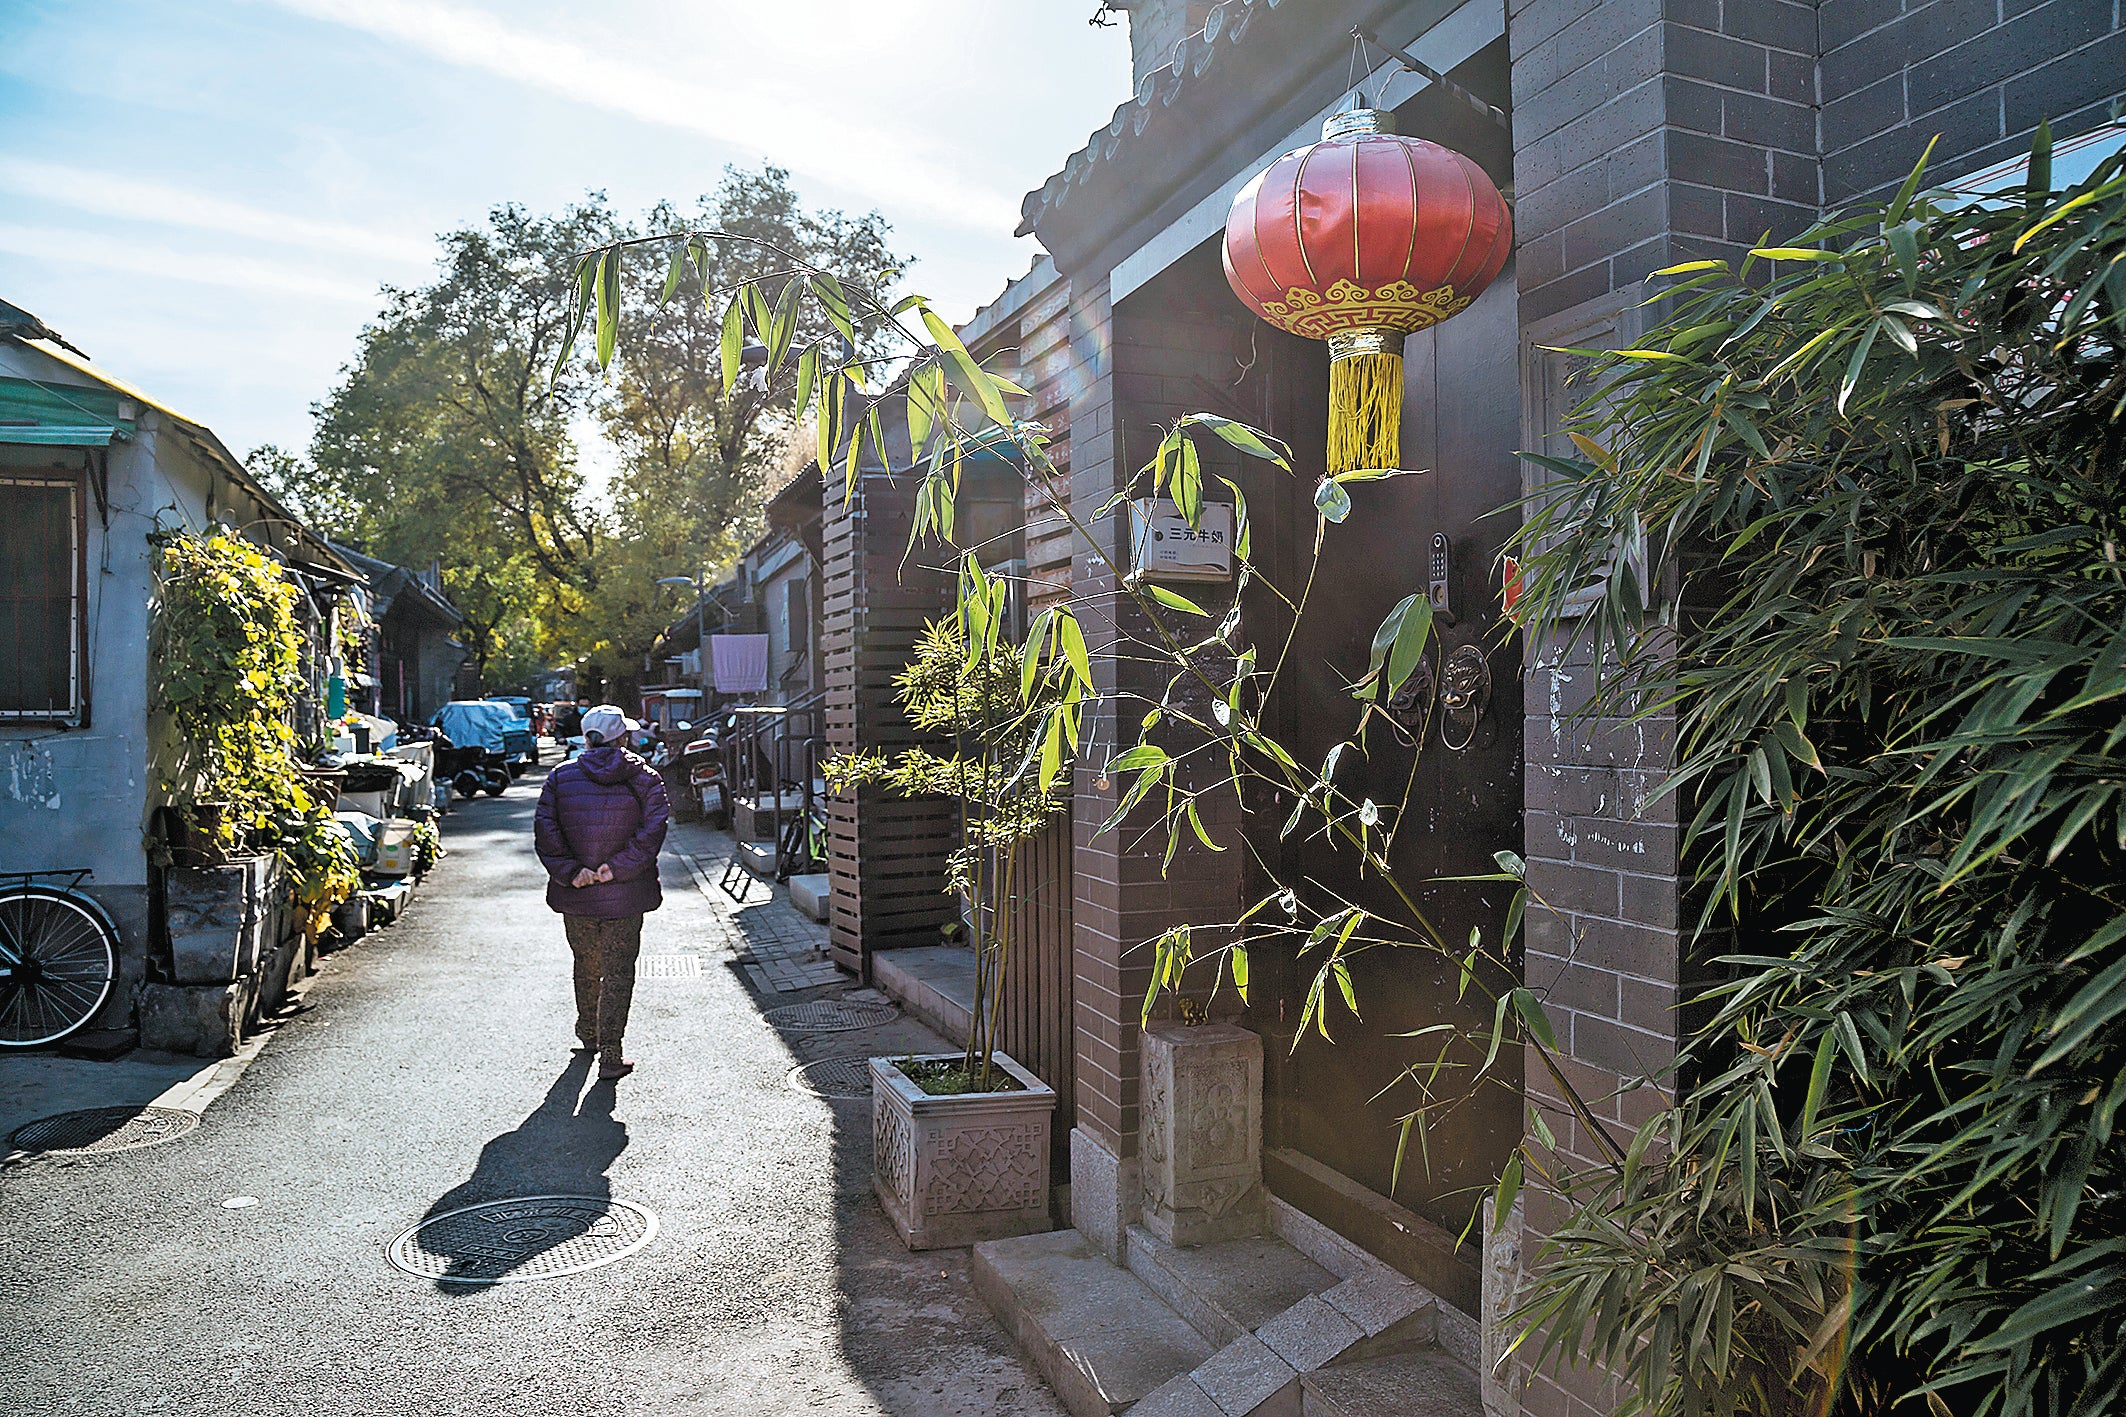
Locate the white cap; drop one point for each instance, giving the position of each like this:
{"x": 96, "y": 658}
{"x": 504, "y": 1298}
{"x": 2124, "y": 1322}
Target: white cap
{"x": 607, "y": 723}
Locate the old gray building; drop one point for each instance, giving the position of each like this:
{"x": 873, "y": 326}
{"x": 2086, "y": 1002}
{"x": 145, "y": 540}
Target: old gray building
{"x": 90, "y": 467}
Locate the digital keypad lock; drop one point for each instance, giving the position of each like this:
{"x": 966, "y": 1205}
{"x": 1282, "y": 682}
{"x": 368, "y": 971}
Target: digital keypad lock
{"x": 1439, "y": 578}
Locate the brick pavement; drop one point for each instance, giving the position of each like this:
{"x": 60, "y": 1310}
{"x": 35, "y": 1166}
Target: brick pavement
{"x": 781, "y": 948}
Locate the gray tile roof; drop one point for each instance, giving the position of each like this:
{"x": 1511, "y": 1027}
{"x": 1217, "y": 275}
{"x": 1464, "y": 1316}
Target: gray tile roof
{"x": 1226, "y": 26}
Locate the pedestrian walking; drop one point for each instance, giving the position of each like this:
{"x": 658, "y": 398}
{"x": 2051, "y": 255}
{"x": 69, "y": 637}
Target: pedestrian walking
{"x": 600, "y": 823}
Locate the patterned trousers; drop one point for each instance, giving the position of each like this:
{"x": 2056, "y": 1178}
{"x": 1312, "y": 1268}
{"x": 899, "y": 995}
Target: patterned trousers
{"x": 605, "y": 953}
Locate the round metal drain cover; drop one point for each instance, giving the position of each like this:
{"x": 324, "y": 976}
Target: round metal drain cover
{"x": 530, "y": 1237}
{"x": 840, "y": 1079}
{"x": 831, "y": 1016}
{"x": 104, "y": 1129}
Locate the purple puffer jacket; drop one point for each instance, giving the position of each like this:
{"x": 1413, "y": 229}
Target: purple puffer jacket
{"x": 606, "y": 808}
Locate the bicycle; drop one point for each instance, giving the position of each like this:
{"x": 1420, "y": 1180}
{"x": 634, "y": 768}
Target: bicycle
{"x": 58, "y": 956}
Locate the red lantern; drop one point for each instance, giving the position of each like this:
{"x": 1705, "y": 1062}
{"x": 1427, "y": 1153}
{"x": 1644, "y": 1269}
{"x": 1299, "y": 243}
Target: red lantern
{"x": 1361, "y": 239}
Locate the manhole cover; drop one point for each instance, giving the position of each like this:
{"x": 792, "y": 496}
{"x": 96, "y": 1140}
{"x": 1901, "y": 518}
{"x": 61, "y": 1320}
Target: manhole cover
{"x": 531, "y": 1237}
{"x": 831, "y": 1016}
{"x": 668, "y": 966}
{"x": 104, "y": 1129}
{"x": 842, "y": 1079}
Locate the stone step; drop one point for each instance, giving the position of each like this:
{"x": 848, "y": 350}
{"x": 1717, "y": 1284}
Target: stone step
{"x": 934, "y": 983}
{"x": 1420, "y": 1383}
{"x": 758, "y": 857}
{"x": 1229, "y": 1288}
{"x": 1262, "y": 1374}
{"x": 1096, "y": 1332}
{"x": 810, "y": 894}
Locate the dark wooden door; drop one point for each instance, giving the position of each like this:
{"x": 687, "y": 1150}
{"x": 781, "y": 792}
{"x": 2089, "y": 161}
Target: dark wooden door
{"x": 1461, "y": 423}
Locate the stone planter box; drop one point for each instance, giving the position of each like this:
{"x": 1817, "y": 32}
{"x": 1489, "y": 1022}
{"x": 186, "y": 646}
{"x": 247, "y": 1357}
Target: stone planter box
{"x": 954, "y": 1170}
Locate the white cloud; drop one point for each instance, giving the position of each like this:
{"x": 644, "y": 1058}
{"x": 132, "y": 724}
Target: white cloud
{"x": 110, "y": 253}
{"x": 157, "y": 203}
{"x": 162, "y": 205}
{"x": 796, "y": 121}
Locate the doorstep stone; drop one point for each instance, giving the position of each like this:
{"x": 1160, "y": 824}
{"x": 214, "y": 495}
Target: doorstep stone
{"x": 1178, "y": 1398}
{"x": 1309, "y": 1334}
{"x": 1229, "y": 1288}
{"x": 1381, "y": 1302}
{"x": 1245, "y": 1379}
{"x": 810, "y": 894}
{"x": 1096, "y": 1332}
{"x": 99, "y": 1045}
{"x": 758, "y": 857}
{"x": 1417, "y": 1383}
{"x": 934, "y": 983}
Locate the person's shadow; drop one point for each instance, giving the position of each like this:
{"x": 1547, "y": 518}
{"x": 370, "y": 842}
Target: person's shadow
{"x": 552, "y": 1169}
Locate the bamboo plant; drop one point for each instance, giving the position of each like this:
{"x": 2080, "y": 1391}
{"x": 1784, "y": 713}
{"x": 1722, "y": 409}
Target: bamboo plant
{"x": 965, "y": 683}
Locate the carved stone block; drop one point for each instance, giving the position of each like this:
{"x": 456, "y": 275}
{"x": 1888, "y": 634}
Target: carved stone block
{"x": 1201, "y": 1140}
{"x": 954, "y": 1170}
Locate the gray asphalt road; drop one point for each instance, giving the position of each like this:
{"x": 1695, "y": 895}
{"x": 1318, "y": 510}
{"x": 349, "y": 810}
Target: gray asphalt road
{"x": 433, "y": 1069}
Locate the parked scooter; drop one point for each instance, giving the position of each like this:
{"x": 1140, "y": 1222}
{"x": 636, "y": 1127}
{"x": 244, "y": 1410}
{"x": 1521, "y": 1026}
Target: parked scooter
{"x": 701, "y": 760}
{"x": 471, "y": 770}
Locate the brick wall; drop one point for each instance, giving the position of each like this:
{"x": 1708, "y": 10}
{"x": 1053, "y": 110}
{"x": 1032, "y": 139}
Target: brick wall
{"x": 1981, "y": 73}
{"x": 1107, "y": 1054}
{"x": 1133, "y": 372}
{"x": 1646, "y": 132}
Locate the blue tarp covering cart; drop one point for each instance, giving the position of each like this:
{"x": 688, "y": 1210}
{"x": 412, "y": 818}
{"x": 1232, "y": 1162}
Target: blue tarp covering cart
{"x": 476, "y": 723}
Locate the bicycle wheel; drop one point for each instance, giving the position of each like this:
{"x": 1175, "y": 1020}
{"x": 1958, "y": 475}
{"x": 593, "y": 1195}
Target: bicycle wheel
{"x": 58, "y": 961}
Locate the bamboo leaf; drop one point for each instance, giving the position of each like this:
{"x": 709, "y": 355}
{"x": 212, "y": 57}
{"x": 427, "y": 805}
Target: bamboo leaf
{"x": 608, "y": 305}
{"x": 1174, "y": 602}
{"x": 671, "y": 276}
{"x": 1072, "y": 638}
{"x": 1331, "y": 500}
{"x": 1411, "y": 637}
{"x": 1248, "y": 440}
{"x": 964, "y": 374}
{"x": 1854, "y": 363}
{"x": 733, "y": 345}
{"x": 807, "y": 370}
{"x": 1530, "y": 1008}
{"x": 1509, "y": 1191}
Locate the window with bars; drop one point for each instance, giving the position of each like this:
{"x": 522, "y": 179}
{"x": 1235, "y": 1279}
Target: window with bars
{"x": 41, "y": 595}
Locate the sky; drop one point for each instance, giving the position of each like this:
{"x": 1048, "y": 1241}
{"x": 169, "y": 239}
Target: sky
{"x": 206, "y": 196}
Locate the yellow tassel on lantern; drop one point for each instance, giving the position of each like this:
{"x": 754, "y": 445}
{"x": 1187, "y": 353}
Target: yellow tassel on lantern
{"x": 1365, "y": 400}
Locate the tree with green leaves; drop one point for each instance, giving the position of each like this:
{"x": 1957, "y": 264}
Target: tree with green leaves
{"x": 452, "y": 435}
{"x": 699, "y": 457}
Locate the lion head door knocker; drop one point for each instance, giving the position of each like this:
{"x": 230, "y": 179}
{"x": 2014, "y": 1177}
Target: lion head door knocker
{"x": 1410, "y": 709}
{"x": 1464, "y": 695}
